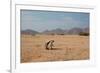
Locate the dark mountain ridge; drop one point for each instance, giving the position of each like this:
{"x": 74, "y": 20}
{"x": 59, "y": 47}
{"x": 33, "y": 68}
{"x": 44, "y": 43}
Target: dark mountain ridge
{"x": 57, "y": 31}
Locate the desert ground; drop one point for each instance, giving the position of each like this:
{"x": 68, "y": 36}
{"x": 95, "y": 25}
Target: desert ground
{"x": 66, "y": 48}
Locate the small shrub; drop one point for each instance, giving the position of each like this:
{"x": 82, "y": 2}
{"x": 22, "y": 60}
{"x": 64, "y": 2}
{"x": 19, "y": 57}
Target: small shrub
{"x": 62, "y": 34}
{"x": 84, "y": 34}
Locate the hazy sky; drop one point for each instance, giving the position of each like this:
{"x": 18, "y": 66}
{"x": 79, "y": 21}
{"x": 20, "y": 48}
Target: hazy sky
{"x": 48, "y": 20}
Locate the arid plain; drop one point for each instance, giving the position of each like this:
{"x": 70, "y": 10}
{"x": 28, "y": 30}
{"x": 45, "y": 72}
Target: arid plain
{"x": 66, "y": 48}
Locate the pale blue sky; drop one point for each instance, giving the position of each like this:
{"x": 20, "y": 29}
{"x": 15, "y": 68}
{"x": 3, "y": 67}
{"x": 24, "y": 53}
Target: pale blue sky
{"x": 48, "y": 20}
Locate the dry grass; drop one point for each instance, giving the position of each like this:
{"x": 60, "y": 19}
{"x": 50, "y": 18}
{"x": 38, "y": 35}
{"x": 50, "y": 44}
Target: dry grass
{"x": 66, "y": 47}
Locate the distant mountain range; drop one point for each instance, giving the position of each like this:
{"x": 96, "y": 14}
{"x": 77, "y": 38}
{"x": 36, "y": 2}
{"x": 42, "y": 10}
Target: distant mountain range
{"x": 30, "y": 32}
{"x": 57, "y": 31}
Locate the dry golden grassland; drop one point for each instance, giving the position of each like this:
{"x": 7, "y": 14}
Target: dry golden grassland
{"x": 66, "y": 47}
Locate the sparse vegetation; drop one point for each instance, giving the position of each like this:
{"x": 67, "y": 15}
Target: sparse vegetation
{"x": 84, "y": 34}
{"x": 66, "y": 47}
